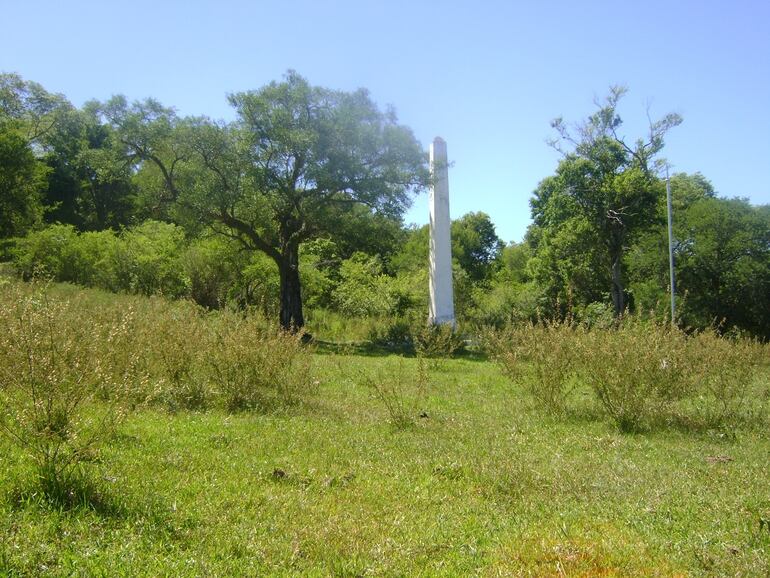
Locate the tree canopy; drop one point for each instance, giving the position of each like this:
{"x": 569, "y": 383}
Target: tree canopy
{"x": 604, "y": 193}
{"x": 298, "y": 202}
{"x": 294, "y": 166}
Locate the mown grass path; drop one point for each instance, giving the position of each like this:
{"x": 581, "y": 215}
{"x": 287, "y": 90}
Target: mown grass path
{"x": 484, "y": 485}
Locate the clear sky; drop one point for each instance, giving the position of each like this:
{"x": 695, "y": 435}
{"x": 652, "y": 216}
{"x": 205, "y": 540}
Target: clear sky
{"x": 487, "y": 76}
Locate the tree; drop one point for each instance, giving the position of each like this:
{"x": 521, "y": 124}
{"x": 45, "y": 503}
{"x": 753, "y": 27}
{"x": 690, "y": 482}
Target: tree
{"x": 155, "y": 145}
{"x": 475, "y": 245}
{"x": 22, "y": 180}
{"x": 296, "y": 161}
{"x": 609, "y": 185}
{"x": 91, "y": 178}
{"x": 28, "y": 113}
{"x": 647, "y": 259}
{"x": 723, "y": 264}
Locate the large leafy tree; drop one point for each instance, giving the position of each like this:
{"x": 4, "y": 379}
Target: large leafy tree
{"x": 22, "y": 180}
{"x": 475, "y": 245}
{"x": 91, "y": 177}
{"x": 605, "y": 191}
{"x": 28, "y": 114}
{"x": 724, "y": 264}
{"x": 293, "y": 166}
{"x": 154, "y": 142}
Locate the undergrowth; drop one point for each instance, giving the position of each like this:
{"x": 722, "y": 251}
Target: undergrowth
{"x": 73, "y": 365}
{"x": 641, "y": 373}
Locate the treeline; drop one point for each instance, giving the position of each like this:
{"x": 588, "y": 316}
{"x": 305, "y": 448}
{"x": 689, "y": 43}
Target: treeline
{"x": 296, "y": 207}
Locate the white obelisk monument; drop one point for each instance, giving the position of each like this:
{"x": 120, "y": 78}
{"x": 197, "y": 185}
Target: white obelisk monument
{"x": 442, "y": 309}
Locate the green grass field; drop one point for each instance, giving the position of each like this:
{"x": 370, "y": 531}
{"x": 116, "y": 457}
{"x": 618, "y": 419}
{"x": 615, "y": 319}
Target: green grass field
{"x": 484, "y": 485}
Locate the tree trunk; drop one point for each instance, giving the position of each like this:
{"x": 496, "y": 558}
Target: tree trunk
{"x": 291, "y": 317}
{"x": 618, "y": 299}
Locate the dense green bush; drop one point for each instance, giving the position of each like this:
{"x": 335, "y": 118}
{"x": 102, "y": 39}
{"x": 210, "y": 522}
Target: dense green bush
{"x": 49, "y": 252}
{"x": 364, "y": 290}
{"x": 148, "y": 260}
{"x": 145, "y": 259}
{"x": 213, "y": 268}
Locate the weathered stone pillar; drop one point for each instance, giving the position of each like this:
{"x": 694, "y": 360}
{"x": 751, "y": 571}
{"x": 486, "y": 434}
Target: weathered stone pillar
{"x": 442, "y": 308}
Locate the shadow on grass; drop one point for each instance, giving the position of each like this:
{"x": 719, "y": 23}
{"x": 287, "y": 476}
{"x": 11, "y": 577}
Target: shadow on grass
{"x": 76, "y": 493}
{"x": 369, "y": 349}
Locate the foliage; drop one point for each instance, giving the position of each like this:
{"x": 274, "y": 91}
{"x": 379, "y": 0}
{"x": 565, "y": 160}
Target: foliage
{"x": 723, "y": 370}
{"x": 506, "y": 304}
{"x": 364, "y": 290}
{"x": 22, "y": 180}
{"x": 722, "y": 263}
{"x": 642, "y": 372}
{"x": 476, "y": 248}
{"x": 475, "y": 245}
{"x": 179, "y": 341}
{"x": 91, "y": 182}
{"x": 436, "y": 341}
{"x": 309, "y": 183}
{"x": 253, "y": 365}
{"x": 636, "y": 371}
{"x": 145, "y": 259}
{"x": 603, "y": 194}
{"x": 297, "y": 161}
{"x": 53, "y": 367}
{"x": 392, "y": 332}
{"x": 541, "y": 357}
{"x": 214, "y": 269}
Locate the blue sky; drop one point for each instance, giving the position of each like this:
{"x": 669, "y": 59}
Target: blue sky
{"x": 487, "y": 76}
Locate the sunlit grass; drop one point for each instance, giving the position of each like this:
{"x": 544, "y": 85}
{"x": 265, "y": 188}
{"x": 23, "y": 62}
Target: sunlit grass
{"x": 484, "y": 483}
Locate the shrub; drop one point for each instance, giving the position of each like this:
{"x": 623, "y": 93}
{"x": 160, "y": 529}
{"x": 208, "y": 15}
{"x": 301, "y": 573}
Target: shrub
{"x": 363, "y": 289}
{"x": 642, "y": 372}
{"x": 402, "y": 393}
{"x": 212, "y": 266}
{"x": 723, "y": 370}
{"x": 47, "y": 253}
{"x": 636, "y": 370}
{"x": 258, "y": 286}
{"x": 178, "y": 343}
{"x": 541, "y": 357}
{"x": 395, "y": 333}
{"x": 52, "y": 365}
{"x": 254, "y": 365}
{"x": 147, "y": 261}
{"x": 436, "y": 341}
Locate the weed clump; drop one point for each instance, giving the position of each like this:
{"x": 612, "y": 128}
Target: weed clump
{"x": 542, "y": 358}
{"x": 55, "y": 368}
{"x": 402, "y": 393}
{"x": 253, "y": 365}
{"x": 636, "y": 370}
{"x": 436, "y": 341}
{"x": 641, "y": 373}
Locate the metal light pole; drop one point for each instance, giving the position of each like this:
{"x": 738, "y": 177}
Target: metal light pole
{"x": 670, "y": 248}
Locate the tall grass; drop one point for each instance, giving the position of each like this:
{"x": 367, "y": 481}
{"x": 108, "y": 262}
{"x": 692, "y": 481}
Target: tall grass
{"x": 53, "y": 368}
{"x": 640, "y": 373}
{"x": 74, "y": 363}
